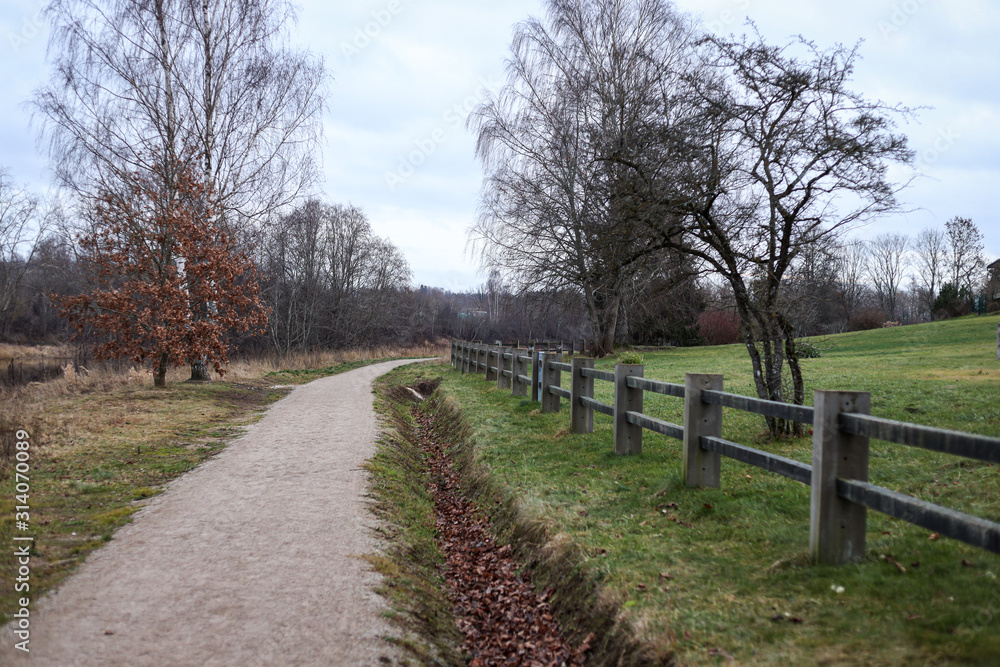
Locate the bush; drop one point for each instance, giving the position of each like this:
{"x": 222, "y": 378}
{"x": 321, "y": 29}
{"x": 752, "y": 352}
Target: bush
{"x": 871, "y": 318}
{"x": 719, "y": 327}
{"x": 953, "y": 302}
{"x": 807, "y": 350}
{"x": 631, "y": 357}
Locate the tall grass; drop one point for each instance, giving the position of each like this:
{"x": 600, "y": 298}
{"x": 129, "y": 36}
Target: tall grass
{"x": 29, "y": 406}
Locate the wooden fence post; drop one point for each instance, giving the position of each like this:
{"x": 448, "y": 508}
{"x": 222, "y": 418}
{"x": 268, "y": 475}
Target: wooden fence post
{"x": 484, "y": 358}
{"x": 519, "y": 367}
{"x": 503, "y": 382}
{"x": 464, "y": 360}
{"x": 701, "y": 467}
{"x": 536, "y": 356}
{"x": 581, "y": 417}
{"x": 550, "y": 377}
{"x": 628, "y": 437}
{"x": 491, "y": 370}
{"x": 836, "y": 525}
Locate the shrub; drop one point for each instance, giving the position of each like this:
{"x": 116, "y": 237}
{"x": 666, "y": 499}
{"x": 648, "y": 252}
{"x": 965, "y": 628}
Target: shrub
{"x": 807, "y": 350}
{"x": 631, "y": 357}
{"x": 953, "y": 302}
{"x": 870, "y": 318}
{"x": 719, "y": 327}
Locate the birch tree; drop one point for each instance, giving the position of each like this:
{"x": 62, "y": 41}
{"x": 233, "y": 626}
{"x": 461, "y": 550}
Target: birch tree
{"x": 585, "y": 95}
{"x": 138, "y": 84}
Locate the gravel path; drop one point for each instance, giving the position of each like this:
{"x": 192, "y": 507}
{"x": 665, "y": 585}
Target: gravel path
{"x": 251, "y": 559}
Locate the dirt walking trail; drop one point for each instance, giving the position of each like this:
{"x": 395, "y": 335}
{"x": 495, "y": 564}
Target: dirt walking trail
{"x": 251, "y": 559}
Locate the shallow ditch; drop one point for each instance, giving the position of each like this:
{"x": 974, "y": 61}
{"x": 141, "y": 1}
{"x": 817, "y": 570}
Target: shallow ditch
{"x": 470, "y": 580}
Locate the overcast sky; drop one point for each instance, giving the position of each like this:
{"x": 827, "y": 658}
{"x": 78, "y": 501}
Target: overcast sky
{"x": 407, "y": 72}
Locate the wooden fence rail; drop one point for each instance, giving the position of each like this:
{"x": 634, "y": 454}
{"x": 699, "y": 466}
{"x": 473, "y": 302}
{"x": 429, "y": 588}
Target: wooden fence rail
{"x": 842, "y": 427}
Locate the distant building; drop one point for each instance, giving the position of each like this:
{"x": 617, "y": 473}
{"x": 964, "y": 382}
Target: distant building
{"x": 993, "y": 287}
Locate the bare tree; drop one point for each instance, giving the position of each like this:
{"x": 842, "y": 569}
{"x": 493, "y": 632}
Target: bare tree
{"x": 137, "y": 81}
{"x": 965, "y": 258}
{"x": 585, "y": 93}
{"x": 137, "y": 85}
{"x": 930, "y": 249}
{"x": 789, "y": 156}
{"x": 18, "y": 240}
{"x": 852, "y": 269}
{"x": 330, "y": 280}
{"x": 887, "y": 265}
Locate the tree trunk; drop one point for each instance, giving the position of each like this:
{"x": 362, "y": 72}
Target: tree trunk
{"x": 774, "y": 335}
{"x": 160, "y": 376}
{"x": 199, "y": 367}
{"x": 798, "y": 384}
{"x": 199, "y": 371}
{"x": 603, "y": 310}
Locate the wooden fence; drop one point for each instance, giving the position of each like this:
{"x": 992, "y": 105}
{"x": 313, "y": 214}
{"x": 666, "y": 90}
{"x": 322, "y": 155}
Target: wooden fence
{"x": 841, "y": 421}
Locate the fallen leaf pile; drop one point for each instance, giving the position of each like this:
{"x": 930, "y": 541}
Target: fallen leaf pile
{"x": 504, "y": 619}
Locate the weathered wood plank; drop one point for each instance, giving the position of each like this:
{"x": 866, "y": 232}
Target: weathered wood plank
{"x": 655, "y": 425}
{"x": 980, "y": 447}
{"x": 597, "y": 406}
{"x": 951, "y": 523}
{"x": 665, "y": 388}
{"x": 790, "y": 468}
{"x": 802, "y": 414}
{"x": 598, "y": 375}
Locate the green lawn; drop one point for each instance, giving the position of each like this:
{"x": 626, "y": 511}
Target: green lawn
{"x": 725, "y": 571}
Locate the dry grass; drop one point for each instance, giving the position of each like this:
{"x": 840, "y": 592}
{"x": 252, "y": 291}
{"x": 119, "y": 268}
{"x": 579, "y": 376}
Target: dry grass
{"x": 102, "y": 441}
{"x": 10, "y": 351}
{"x": 32, "y": 405}
{"x": 259, "y": 366}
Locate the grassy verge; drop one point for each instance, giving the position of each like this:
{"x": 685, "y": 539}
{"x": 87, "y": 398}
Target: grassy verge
{"x": 411, "y": 565}
{"x": 411, "y": 562}
{"x": 101, "y": 444}
{"x": 717, "y": 573}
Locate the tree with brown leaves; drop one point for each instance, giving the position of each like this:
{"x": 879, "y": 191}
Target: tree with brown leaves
{"x": 169, "y": 286}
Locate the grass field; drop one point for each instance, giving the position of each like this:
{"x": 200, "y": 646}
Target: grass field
{"x": 725, "y": 572}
